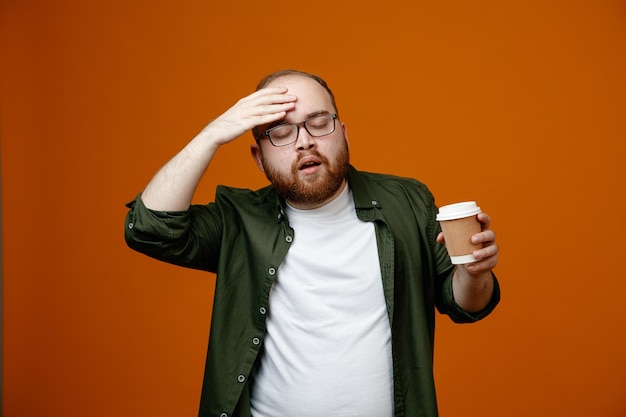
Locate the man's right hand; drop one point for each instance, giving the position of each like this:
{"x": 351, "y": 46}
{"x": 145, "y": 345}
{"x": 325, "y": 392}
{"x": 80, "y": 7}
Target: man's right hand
{"x": 261, "y": 107}
{"x": 172, "y": 188}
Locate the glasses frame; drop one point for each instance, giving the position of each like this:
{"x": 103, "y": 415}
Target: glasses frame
{"x": 297, "y": 126}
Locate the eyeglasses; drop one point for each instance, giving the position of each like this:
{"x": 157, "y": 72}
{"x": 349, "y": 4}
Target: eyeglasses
{"x": 286, "y": 134}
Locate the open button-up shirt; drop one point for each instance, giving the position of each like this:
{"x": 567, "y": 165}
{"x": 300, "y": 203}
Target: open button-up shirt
{"x": 244, "y": 235}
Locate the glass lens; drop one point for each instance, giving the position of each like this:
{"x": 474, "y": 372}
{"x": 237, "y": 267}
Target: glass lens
{"x": 282, "y": 134}
{"x": 320, "y": 125}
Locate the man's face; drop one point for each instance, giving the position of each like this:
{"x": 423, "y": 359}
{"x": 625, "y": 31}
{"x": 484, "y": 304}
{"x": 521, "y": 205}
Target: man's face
{"x": 311, "y": 171}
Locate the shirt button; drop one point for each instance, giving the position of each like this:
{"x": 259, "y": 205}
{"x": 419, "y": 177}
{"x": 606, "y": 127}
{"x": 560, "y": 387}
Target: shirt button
{"x": 289, "y": 239}
{"x": 272, "y": 271}
{"x": 223, "y": 415}
{"x": 374, "y": 202}
{"x": 256, "y": 341}
{"x": 262, "y": 310}
{"x": 241, "y": 378}
{"x": 130, "y": 225}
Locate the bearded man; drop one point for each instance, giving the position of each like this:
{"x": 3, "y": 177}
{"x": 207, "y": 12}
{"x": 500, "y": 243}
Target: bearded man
{"x": 327, "y": 279}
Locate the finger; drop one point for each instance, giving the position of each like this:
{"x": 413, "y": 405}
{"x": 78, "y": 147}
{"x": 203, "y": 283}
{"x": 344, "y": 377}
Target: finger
{"x": 484, "y": 219}
{"x": 486, "y": 252}
{"x": 271, "y": 109}
{"x": 262, "y": 108}
{"x": 485, "y": 260}
{"x": 269, "y": 95}
{"x": 274, "y": 99}
{"x": 251, "y": 115}
{"x": 482, "y": 266}
{"x": 484, "y": 237}
{"x": 266, "y": 91}
{"x": 266, "y": 118}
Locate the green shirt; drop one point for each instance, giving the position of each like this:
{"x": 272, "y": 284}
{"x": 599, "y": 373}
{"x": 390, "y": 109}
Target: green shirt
{"x": 244, "y": 236}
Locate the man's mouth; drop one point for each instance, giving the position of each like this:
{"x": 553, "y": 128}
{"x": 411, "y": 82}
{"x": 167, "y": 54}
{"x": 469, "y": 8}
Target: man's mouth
{"x": 309, "y": 165}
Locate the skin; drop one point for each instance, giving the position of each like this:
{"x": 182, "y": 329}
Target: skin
{"x": 172, "y": 188}
{"x": 292, "y": 99}
{"x": 472, "y": 284}
{"x": 320, "y": 183}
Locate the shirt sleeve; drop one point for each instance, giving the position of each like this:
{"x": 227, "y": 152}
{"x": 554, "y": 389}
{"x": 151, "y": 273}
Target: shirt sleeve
{"x": 189, "y": 238}
{"x": 448, "y": 305}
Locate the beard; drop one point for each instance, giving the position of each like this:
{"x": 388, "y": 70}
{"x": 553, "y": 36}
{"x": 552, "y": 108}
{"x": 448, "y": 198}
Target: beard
{"x": 311, "y": 189}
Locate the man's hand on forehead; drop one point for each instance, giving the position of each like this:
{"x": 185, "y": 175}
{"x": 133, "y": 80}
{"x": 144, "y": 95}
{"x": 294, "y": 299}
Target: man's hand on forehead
{"x": 257, "y": 109}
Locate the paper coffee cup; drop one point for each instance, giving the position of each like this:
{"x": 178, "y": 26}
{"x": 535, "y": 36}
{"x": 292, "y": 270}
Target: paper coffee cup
{"x": 459, "y": 223}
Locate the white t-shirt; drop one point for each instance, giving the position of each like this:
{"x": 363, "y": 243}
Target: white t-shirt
{"x": 328, "y": 343}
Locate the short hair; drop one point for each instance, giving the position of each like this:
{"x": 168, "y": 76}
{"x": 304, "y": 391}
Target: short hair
{"x": 286, "y": 72}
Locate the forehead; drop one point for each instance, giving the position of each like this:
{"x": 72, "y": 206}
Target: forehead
{"x": 312, "y": 97}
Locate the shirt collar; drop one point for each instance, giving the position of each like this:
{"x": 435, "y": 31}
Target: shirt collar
{"x": 364, "y": 197}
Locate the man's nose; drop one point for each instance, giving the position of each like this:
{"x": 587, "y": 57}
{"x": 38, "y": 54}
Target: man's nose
{"x": 305, "y": 140}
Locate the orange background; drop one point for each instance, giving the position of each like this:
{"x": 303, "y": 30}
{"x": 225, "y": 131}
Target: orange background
{"x": 518, "y": 105}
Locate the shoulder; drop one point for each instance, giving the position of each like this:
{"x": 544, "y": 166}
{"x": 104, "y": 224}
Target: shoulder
{"x": 262, "y": 200}
{"x": 389, "y": 179}
{"x": 387, "y": 184}
{"x": 247, "y": 194}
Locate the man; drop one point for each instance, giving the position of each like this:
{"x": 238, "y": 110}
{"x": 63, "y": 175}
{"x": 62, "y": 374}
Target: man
{"x": 327, "y": 280}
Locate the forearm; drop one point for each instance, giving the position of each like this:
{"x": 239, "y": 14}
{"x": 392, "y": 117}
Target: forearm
{"x": 472, "y": 292}
{"x": 173, "y": 186}
{"x": 473, "y": 284}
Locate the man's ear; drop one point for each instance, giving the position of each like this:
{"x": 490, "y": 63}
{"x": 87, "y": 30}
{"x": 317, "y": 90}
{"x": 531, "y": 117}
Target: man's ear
{"x": 345, "y": 133}
{"x": 255, "y": 151}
